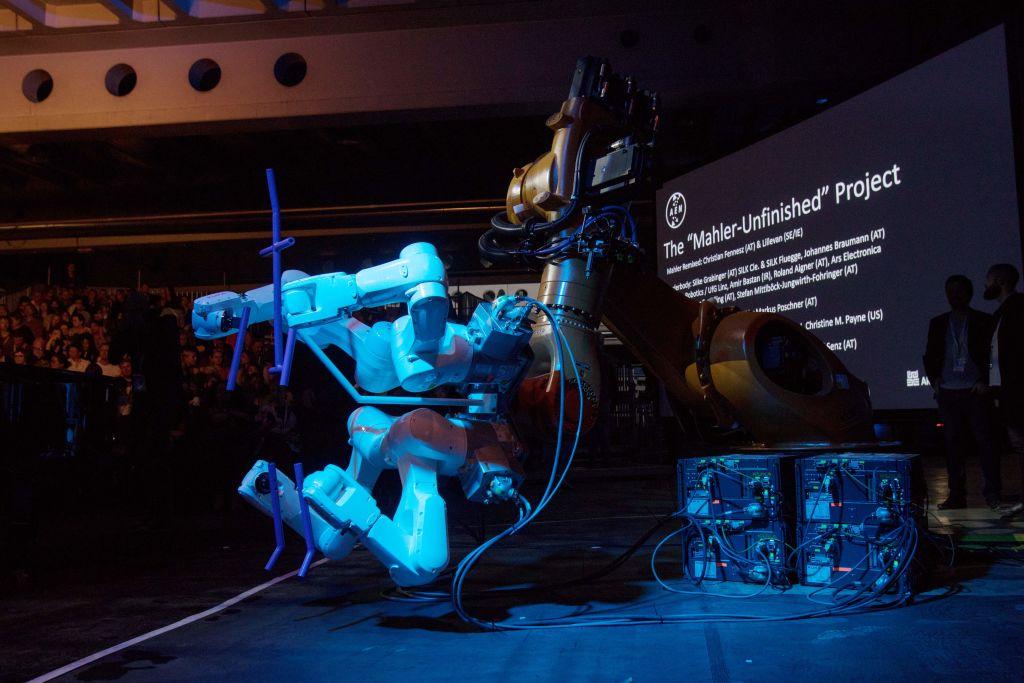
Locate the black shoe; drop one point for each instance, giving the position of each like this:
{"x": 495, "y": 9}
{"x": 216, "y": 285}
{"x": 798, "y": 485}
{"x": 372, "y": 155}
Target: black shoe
{"x": 1011, "y": 511}
{"x": 953, "y": 504}
{"x": 993, "y": 502}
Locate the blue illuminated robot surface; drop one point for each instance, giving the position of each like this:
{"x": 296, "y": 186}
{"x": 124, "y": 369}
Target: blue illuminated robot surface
{"x": 419, "y": 352}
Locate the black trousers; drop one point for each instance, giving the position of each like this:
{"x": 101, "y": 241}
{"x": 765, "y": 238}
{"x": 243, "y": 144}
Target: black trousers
{"x": 1011, "y": 417}
{"x": 968, "y": 419}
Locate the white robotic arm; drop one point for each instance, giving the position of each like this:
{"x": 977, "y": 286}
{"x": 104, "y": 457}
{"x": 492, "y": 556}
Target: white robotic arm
{"x": 416, "y": 278}
{"x": 419, "y": 351}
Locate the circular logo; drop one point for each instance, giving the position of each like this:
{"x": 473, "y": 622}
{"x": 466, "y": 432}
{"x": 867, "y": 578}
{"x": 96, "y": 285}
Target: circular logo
{"x": 675, "y": 210}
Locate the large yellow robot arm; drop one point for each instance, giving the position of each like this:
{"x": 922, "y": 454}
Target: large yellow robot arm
{"x": 567, "y": 212}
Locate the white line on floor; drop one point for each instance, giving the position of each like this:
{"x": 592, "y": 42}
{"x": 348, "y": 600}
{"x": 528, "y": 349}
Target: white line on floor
{"x": 56, "y": 673}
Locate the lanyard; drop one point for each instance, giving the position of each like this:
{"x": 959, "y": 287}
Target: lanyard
{"x": 959, "y": 340}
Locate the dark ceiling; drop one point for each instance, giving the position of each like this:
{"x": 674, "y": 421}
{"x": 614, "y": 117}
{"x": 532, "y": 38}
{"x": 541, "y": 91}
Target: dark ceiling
{"x": 461, "y": 155}
{"x": 329, "y": 165}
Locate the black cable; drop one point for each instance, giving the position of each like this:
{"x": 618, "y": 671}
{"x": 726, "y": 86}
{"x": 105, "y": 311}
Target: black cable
{"x": 590, "y": 577}
{"x": 903, "y": 538}
{"x": 856, "y": 603}
{"x": 502, "y": 224}
{"x": 867, "y": 597}
{"x": 489, "y": 243}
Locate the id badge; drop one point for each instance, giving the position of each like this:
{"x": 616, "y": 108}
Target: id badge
{"x": 960, "y": 365}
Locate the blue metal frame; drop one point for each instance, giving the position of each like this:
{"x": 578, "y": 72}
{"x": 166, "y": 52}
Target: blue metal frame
{"x": 275, "y": 505}
{"x": 277, "y": 245}
{"x": 307, "y": 523}
{"x": 236, "y": 357}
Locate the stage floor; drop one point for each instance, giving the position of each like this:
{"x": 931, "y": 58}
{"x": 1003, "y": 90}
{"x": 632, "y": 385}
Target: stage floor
{"x": 335, "y": 625}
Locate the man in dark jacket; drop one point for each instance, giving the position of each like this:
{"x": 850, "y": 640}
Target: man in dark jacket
{"x": 1006, "y": 375}
{"x": 955, "y": 361}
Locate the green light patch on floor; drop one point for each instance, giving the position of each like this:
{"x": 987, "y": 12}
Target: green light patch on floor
{"x": 1000, "y": 538}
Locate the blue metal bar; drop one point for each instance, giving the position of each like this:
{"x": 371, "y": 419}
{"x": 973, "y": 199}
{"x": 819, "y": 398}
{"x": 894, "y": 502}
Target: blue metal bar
{"x": 275, "y": 506}
{"x": 379, "y": 400}
{"x": 236, "y": 357}
{"x": 307, "y": 524}
{"x": 278, "y": 246}
{"x": 275, "y": 252}
{"x": 289, "y": 353}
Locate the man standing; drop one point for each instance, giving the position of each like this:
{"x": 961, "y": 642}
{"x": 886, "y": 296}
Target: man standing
{"x": 1006, "y": 375}
{"x": 955, "y": 360}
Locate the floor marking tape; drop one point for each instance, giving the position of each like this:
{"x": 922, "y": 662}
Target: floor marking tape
{"x": 56, "y": 673}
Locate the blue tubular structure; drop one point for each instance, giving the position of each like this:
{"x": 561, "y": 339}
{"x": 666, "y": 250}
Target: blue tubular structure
{"x": 554, "y": 481}
{"x": 289, "y": 353}
{"x": 277, "y": 245}
{"x": 236, "y": 357}
{"x": 307, "y": 523}
{"x": 275, "y": 504}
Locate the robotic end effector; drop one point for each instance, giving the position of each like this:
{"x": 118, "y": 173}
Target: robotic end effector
{"x": 602, "y": 107}
{"x": 218, "y": 315}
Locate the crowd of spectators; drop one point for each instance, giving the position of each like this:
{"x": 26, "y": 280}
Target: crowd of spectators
{"x": 141, "y": 339}
{"x": 107, "y": 397}
{"x": 64, "y": 328}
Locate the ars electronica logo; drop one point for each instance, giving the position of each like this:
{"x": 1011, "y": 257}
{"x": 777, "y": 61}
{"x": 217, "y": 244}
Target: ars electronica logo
{"x": 675, "y": 210}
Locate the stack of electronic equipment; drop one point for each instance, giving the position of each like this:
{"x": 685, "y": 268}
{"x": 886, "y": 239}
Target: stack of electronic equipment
{"x": 842, "y": 521}
{"x": 741, "y": 515}
{"x": 858, "y": 520}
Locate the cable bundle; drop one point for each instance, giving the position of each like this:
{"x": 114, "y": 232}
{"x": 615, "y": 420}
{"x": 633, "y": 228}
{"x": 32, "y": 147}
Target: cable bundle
{"x": 902, "y": 538}
{"x": 527, "y": 514}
